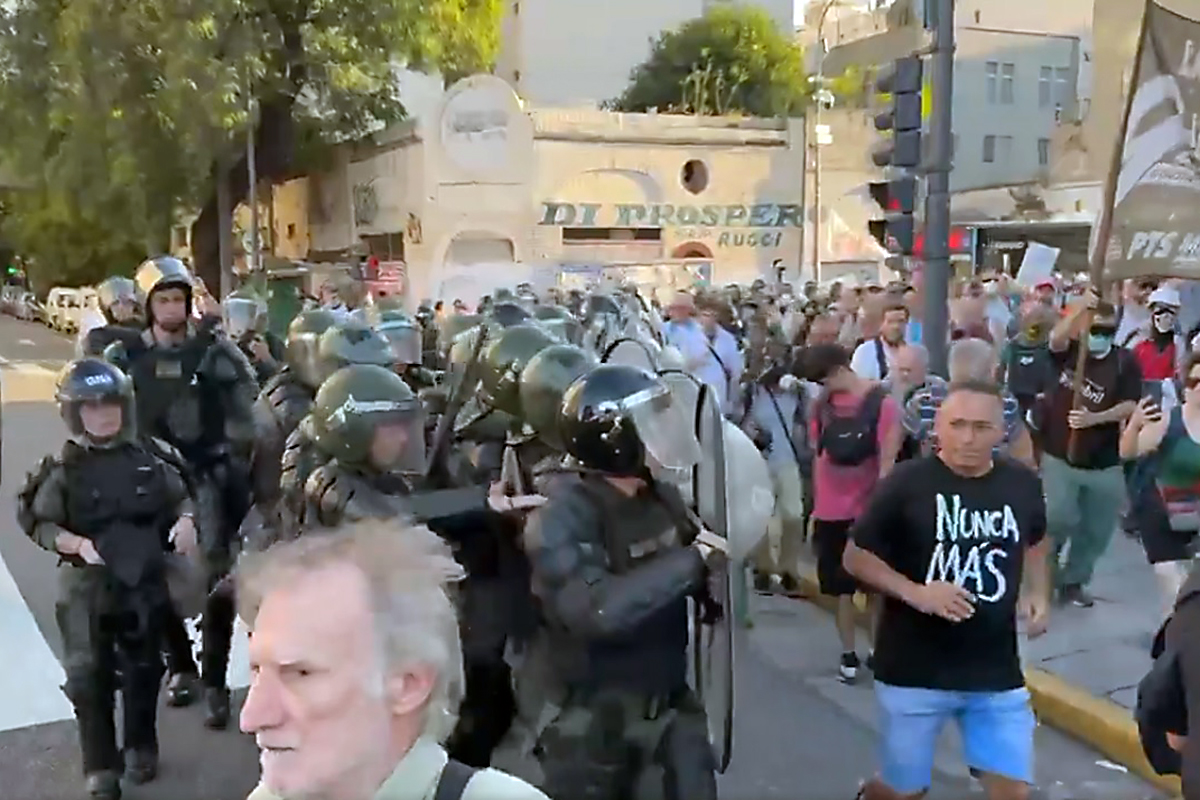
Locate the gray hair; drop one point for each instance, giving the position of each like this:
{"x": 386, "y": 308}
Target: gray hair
{"x": 921, "y": 351}
{"x": 971, "y": 360}
{"x": 409, "y": 572}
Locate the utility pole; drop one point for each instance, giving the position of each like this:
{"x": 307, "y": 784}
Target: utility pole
{"x": 224, "y": 228}
{"x": 936, "y": 324}
{"x": 252, "y": 176}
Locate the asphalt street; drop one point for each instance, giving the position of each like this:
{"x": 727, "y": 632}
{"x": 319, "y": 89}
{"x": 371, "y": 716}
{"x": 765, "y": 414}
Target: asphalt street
{"x": 799, "y": 734}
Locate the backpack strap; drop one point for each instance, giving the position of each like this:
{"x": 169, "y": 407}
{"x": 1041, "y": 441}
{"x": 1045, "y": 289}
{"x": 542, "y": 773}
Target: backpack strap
{"x": 872, "y": 404}
{"x": 881, "y": 358}
{"x": 452, "y": 783}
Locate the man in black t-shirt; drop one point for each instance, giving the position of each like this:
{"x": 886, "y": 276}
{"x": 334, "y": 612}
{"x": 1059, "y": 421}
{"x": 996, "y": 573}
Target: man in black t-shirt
{"x": 952, "y": 540}
{"x": 1081, "y": 466}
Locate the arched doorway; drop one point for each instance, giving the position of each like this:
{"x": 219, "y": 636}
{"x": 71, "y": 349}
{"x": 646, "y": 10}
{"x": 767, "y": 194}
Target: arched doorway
{"x": 692, "y": 250}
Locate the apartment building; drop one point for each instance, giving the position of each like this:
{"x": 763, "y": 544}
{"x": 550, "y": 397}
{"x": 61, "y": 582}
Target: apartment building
{"x": 575, "y": 54}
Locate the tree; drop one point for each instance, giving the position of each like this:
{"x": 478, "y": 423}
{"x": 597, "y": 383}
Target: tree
{"x": 120, "y": 114}
{"x": 734, "y": 59}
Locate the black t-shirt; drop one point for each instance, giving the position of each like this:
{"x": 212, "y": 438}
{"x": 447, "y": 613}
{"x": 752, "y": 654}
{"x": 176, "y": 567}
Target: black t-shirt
{"x": 930, "y": 524}
{"x": 1107, "y": 382}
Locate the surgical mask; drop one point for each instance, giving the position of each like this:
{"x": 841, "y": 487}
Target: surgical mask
{"x": 1164, "y": 323}
{"x": 789, "y": 383}
{"x": 1099, "y": 343}
{"x": 991, "y": 287}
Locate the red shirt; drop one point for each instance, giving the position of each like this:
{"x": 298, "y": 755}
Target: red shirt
{"x": 1157, "y": 365}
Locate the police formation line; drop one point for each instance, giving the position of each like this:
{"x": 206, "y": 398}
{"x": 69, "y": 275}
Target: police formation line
{"x": 195, "y": 441}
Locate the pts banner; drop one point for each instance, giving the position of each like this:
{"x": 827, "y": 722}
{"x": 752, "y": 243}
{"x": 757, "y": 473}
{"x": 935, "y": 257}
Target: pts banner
{"x": 1153, "y": 190}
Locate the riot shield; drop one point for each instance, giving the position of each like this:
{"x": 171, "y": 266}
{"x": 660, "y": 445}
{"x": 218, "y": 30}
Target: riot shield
{"x": 631, "y": 352}
{"x": 712, "y": 649}
{"x": 686, "y": 391}
{"x": 749, "y": 495}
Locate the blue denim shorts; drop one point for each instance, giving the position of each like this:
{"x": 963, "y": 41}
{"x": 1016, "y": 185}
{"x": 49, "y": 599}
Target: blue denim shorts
{"x": 996, "y": 728}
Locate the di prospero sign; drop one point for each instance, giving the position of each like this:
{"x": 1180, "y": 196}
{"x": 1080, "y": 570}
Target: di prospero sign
{"x": 737, "y": 225}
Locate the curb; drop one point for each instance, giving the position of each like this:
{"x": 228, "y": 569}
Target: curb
{"x": 1101, "y": 724}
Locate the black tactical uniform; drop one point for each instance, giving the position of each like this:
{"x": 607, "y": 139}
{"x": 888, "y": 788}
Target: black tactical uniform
{"x": 355, "y": 409}
{"x": 345, "y": 344}
{"x": 613, "y": 574}
{"x": 122, "y": 495}
{"x": 198, "y": 395}
{"x": 121, "y": 305}
{"x": 284, "y": 401}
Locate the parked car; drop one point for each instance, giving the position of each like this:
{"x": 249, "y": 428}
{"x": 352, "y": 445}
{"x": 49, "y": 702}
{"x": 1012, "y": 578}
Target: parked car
{"x": 30, "y": 308}
{"x": 62, "y": 309}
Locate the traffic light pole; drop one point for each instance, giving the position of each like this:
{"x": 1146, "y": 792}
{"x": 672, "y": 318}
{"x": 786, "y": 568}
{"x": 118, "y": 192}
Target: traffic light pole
{"x": 936, "y": 324}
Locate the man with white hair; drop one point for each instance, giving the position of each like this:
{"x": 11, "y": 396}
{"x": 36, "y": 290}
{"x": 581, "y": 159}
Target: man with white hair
{"x": 969, "y": 361}
{"x": 357, "y": 669}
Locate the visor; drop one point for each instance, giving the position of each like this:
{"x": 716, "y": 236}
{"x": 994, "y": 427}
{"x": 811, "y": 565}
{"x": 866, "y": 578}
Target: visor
{"x": 405, "y": 342}
{"x": 404, "y": 435}
{"x": 666, "y": 428}
{"x": 240, "y": 316}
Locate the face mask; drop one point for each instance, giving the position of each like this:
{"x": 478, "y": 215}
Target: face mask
{"x": 1099, "y": 343}
{"x": 1164, "y": 323}
{"x": 789, "y": 383}
{"x": 1034, "y": 333}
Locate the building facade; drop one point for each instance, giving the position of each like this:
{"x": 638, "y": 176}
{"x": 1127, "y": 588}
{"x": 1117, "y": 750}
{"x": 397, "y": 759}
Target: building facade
{"x": 487, "y": 183}
{"x": 564, "y": 53}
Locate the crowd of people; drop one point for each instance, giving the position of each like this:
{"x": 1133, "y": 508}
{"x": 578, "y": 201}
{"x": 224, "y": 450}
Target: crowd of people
{"x": 460, "y": 538}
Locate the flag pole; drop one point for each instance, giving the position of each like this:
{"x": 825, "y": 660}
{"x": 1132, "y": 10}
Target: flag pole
{"x": 1098, "y": 258}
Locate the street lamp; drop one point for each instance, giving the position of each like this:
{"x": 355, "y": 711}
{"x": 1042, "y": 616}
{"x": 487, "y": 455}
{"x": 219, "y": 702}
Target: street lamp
{"x": 823, "y": 97}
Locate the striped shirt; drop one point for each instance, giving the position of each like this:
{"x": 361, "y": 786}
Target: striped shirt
{"x": 922, "y": 407}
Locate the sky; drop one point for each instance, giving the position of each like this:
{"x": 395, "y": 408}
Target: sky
{"x": 798, "y": 12}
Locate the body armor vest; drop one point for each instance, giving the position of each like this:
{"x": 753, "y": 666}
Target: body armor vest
{"x": 118, "y": 498}
{"x": 336, "y": 494}
{"x": 283, "y": 402}
{"x": 176, "y": 401}
{"x": 653, "y": 658}
{"x": 301, "y": 458}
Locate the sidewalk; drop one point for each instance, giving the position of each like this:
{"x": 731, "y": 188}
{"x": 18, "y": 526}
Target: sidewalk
{"x": 1083, "y": 673}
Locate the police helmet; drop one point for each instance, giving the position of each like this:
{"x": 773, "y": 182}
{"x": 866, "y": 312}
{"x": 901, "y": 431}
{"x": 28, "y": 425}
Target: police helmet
{"x": 506, "y": 315}
{"x": 503, "y": 360}
{"x": 356, "y": 401}
{"x": 621, "y": 419}
{"x": 94, "y": 381}
{"x": 120, "y": 300}
{"x": 164, "y": 272}
{"x": 544, "y": 381}
{"x": 402, "y": 334}
{"x": 598, "y": 305}
{"x": 452, "y": 326}
{"x": 559, "y": 321}
{"x": 303, "y": 338}
{"x": 243, "y": 313}
{"x": 353, "y": 343}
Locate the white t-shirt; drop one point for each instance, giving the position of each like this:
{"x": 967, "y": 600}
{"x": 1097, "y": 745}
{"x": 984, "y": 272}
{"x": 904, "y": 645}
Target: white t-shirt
{"x": 865, "y": 361}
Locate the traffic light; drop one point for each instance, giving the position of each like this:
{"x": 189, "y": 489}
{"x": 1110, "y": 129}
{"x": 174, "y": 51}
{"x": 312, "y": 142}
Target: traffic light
{"x": 898, "y": 199}
{"x": 902, "y": 85}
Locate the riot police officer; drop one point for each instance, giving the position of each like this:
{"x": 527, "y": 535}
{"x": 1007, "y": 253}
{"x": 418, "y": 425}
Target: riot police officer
{"x": 107, "y": 506}
{"x": 196, "y": 391}
{"x": 370, "y": 427}
{"x": 284, "y": 401}
{"x": 120, "y": 304}
{"x": 244, "y": 318}
{"x": 342, "y": 345}
{"x": 614, "y": 560}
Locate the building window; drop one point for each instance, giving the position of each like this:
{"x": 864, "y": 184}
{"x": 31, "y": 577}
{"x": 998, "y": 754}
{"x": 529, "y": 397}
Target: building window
{"x": 1043, "y": 152}
{"x": 1045, "y": 87}
{"x": 291, "y": 230}
{"x": 694, "y": 176}
{"x": 1008, "y": 74}
{"x": 1004, "y": 149}
{"x": 993, "y": 71}
{"x": 1062, "y": 87}
{"x": 989, "y": 149}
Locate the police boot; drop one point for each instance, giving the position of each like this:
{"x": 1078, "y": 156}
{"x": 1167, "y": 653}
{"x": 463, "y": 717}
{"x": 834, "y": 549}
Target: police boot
{"x": 217, "y": 717}
{"x": 104, "y": 786}
{"x": 181, "y": 690}
{"x": 141, "y": 766}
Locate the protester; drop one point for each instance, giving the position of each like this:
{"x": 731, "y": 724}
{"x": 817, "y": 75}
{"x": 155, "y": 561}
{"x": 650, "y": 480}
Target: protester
{"x": 357, "y": 668}
{"x": 951, "y": 540}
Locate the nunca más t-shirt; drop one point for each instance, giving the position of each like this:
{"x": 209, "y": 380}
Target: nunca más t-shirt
{"x": 931, "y": 524}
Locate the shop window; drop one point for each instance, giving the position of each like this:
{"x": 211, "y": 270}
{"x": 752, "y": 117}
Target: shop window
{"x": 612, "y": 234}
{"x": 694, "y": 176}
{"x": 385, "y": 246}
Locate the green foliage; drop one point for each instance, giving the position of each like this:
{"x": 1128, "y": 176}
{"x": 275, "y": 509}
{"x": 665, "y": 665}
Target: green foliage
{"x": 114, "y": 113}
{"x": 851, "y": 89}
{"x": 733, "y": 60}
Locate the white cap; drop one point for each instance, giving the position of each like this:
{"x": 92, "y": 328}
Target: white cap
{"x": 1165, "y": 296}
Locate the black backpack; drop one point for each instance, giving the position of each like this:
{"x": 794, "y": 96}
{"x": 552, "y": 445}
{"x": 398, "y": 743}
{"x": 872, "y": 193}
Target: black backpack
{"x": 850, "y": 440}
{"x": 1030, "y": 369}
{"x": 1161, "y": 700}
